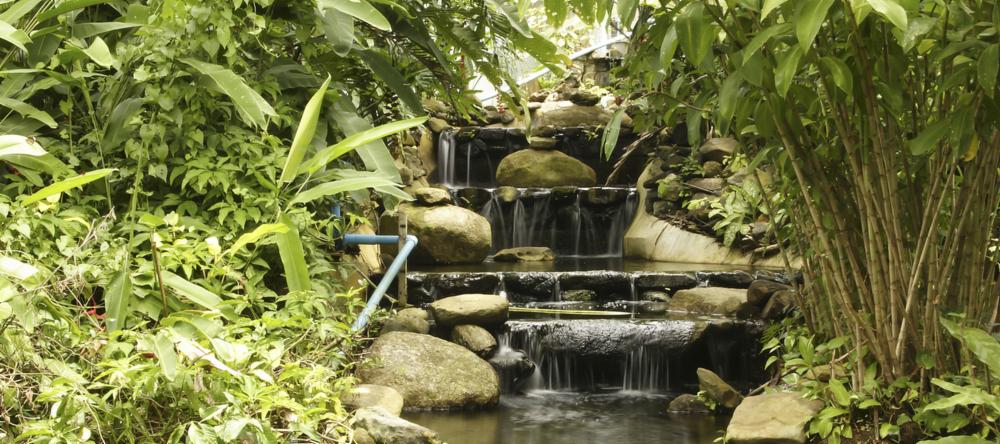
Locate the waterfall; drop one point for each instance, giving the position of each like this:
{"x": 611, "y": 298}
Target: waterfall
{"x": 446, "y": 157}
{"x": 646, "y": 370}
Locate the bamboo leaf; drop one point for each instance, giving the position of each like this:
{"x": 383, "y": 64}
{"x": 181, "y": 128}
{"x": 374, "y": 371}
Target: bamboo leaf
{"x": 192, "y": 292}
{"x": 696, "y": 32}
{"x": 763, "y": 37}
{"x": 892, "y": 11}
{"x": 769, "y": 6}
{"x": 668, "y": 48}
{"x": 17, "y": 269}
{"x": 840, "y": 393}
{"x": 610, "y": 138}
{"x": 67, "y": 6}
{"x": 339, "y": 30}
{"x": 358, "y": 140}
{"x": 980, "y": 343}
{"x": 118, "y": 298}
{"x": 989, "y": 63}
{"x": 810, "y": 17}
{"x": 256, "y": 235}
{"x": 929, "y": 138}
{"x": 509, "y": 11}
{"x": 28, "y": 111}
{"x": 729, "y": 96}
{"x": 374, "y": 154}
{"x": 14, "y": 36}
{"x": 17, "y": 10}
{"x": 304, "y": 134}
{"x": 293, "y": 257}
{"x": 11, "y": 144}
{"x": 88, "y": 30}
{"x": 251, "y": 105}
{"x": 841, "y": 73}
{"x": 67, "y": 184}
{"x": 787, "y": 67}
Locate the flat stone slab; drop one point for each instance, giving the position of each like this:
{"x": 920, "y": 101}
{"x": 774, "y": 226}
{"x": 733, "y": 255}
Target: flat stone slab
{"x": 772, "y": 418}
{"x": 709, "y": 300}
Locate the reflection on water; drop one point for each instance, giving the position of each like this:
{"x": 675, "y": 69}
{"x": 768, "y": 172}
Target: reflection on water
{"x": 548, "y": 417}
{"x": 580, "y": 263}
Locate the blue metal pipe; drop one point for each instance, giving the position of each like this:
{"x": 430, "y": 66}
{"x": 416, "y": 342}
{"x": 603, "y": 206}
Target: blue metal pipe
{"x": 390, "y": 274}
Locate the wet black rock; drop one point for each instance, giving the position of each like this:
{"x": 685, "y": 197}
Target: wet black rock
{"x": 604, "y": 337}
{"x": 492, "y": 134}
{"x": 530, "y": 286}
{"x": 605, "y": 196}
{"x": 472, "y": 197}
{"x": 451, "y": 284}
{"x": 729, "y": 279}
{"x": 607, "y": 285}
{"x": 513, "y": 366}
{"x": 669, "y": 282}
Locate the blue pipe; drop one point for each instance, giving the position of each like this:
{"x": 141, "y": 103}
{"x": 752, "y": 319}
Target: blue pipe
{"x": 390, "y": 274}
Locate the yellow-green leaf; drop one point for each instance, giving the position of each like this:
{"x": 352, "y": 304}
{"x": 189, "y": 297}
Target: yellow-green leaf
{"x": 304, "y": 134}
{"x": 67, "y": 184}
{"x": 293, "y": 257}
{"x": 810, "y": 17}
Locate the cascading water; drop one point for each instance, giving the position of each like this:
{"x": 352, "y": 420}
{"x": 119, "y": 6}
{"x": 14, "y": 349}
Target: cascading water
{"x": 447, "y": 145}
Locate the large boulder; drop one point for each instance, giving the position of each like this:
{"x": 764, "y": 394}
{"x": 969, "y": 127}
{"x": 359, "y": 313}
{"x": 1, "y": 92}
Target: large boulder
{"x": 772, "y": 418}
{"x": 370, "y": 395}
{"x": 709, "y": 300}
{"x": 568, "y": 114}
{"x": 718, "y": 390}
{"x": 474, "y": 309}
{"x": 431, "y": 373}
{"x": 448, "y": 234}
{"x": 761, "y": 290}
{"x": 413, "y": 320}
{"x": 476, "y": 339}
{"x": 544, "y": 169}
{"x": 525, "y": 254}
{"x": 385, "y": 428}
{"x": 717, "y": 149}
{"x": 778, "y": 304}
{"x": 432, "y": 196}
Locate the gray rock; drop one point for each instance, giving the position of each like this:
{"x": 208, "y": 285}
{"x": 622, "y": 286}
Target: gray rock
{"x": 772, "y": 418}
{"x": 663, "y": 209}
{"x": 512, "y": 366}
{"x": 604, "y": 196}
{"x": 542, "y": 143}
{"x": 567, "y": 114}
{"x": 432, "y": 196}
{"x": 529, "y": 286}
{"x": 544, "y": 169}
{"x": 452, "y": 284}
{"x": 525, "y": 254}
{"x": 718, "y": 390}
{"x": 413, "y": 320}
{"x": 474, "y": 338}
{"x": 709, "y": 300}
{"x": 665, "y": 281}
{"x": 361, "y": 436}
{"x": 435, "y": 106}
{"x": 476, "y": 309}
{"x": 760, "y": 291}
{"x": 607, "y": 285}
{"x": 711, "y": 186}
{"x": 712, "y": 169}
{"x": 545, "y": 131}
{"x": 492, "y": 134}
{"x": 431, "y": 373}
{"x": 370, "y": 395}
{"x": 687, "y": 404}
{"x": 538, "y": 96}
{"x": 448, "y": 234}
{"x": 717, "y": 149}
{"x": 608, "y": 337}
{"x": 583, "y": 97}
{"x": 438, "y": 125}
{"x": 386, "y": 428}
{"x": 778, "y": 304}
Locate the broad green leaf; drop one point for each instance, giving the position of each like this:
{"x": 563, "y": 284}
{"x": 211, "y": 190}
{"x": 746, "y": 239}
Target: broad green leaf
{"x": 293, "y": 257}
{"x": 27, "y": 154}
{"x": 251, "y": 105}
{"x": 14, "y": 36}
{"x": 509, "y": 11}
{"x": 11, "y": 144}
{"x": 542, "y": 50}
{"x": 384, "y": 70}
{"x": 762, "y": 37}
{"x": 626, "y": 11}
{"x": 891, "y": 11}
{"x": 374, "y": 154}
{"x": 356, "y": 141}
{"x": 88, "y": 30}
{"x": 787, "y": 67}
{"x": 769, "y": 6}
{"x": 16, "y": 269}
{"x": 729, "y": 96}
{"x": 192, "y": 292}
{"x": 989, "y": 63}
{"x": 841, "y": 73}
{"x": 555, "y": 11}
{"x": 668, "y": 48}
{"x": 610, "y": 138}
{"x": 100, "y": 53}
{"x": 341, "y": 186}
{"x": 980, "y": 343}
{"x": 808, "y": 20}
{"x": 67, "y": 6}
{"x": 256, "y": 235}
{"x": 696, "y": 32}
{"x": 117, "y": 299}
{"x": 14, "y": 12}
{"x": 304, "y": 134}
{"x": 28, "y": 111}
{"x": 359, "y": 9}
{"x": 166, "y": 355}
{"x": 917, "y": 28}
{"x": 929, "y": 138}
{"x": 67, "y": 184}
{"x": 120, "y": 124}
{"x": 839, "y": 392}
{"x": 339, "y": 30}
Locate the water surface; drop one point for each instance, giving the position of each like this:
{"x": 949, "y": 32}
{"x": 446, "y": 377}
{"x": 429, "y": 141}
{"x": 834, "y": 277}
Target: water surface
{"x": 549, "y": 417}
